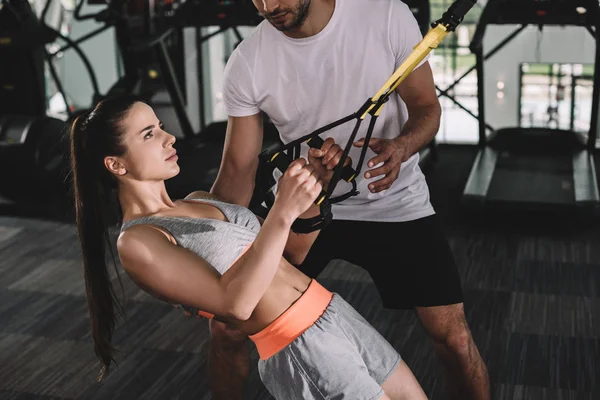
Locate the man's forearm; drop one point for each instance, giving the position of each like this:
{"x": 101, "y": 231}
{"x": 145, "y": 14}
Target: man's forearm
{"x": 234, "y": 189}
{"x": 420, "y": 128}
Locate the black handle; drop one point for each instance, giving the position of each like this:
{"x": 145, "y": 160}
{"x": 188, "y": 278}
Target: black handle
{"x": 348, "y": 173}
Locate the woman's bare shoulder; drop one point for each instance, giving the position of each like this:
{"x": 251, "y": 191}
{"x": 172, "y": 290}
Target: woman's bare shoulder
{"x": 201, "y": 194}
{"x": 135, "y": 241}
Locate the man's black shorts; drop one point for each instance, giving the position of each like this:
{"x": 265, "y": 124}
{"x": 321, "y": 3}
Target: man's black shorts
{"x": 411, "y": 262}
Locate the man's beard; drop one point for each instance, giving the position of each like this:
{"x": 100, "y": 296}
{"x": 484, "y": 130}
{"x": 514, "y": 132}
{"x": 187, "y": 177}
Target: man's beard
{"x": 300, "y": 14}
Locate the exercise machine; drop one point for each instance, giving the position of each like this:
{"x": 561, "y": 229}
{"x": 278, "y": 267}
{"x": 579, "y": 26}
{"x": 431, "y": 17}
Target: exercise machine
{"x": 535, "y": 168}
{"x": 33, "y": 145}
{"x": 29, "y": 140}
{"x": 158, "y": 44}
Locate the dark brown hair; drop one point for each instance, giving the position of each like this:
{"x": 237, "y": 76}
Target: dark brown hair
{"x": 94, "y": 135}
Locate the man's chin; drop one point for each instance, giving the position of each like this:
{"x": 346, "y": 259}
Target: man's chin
{"x": 281, "y": 28}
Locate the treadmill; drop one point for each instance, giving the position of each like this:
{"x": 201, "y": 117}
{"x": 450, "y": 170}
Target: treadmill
{"x": 535, "y": 168}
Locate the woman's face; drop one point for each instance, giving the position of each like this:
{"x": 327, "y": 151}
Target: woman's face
{"x": 150, "y": 155}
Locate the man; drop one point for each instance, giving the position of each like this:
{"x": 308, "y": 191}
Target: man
{"x": 312, "y": 62}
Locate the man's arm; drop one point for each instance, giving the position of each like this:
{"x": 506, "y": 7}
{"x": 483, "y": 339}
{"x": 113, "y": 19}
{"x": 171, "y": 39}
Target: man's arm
{"x": 424, "y": 111}
{"x": 237, "y": 173}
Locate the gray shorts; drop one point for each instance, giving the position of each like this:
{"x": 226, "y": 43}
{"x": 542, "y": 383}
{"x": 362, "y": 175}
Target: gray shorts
{"x": 341, "y": 356}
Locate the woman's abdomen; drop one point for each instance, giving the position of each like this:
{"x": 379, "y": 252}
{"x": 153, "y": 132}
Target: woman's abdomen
{"x": 287, "y": 287}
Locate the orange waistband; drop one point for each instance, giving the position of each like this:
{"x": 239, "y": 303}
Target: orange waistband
{"x": 293, "y": 322}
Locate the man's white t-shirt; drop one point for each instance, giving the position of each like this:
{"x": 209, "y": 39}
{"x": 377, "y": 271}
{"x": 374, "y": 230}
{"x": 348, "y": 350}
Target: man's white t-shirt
{"x": 304, "y": 84}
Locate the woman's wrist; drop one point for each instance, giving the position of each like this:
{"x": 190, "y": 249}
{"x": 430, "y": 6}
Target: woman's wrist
{"x": 313, "y": 211}
{"x": 281, "y": 216}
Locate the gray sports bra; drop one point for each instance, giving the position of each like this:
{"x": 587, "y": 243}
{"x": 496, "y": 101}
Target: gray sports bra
{"x": 220, "y": 243}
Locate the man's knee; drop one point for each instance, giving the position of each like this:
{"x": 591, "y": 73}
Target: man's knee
{"x": 448, "y": 328}
{"x": 458, "y": 340}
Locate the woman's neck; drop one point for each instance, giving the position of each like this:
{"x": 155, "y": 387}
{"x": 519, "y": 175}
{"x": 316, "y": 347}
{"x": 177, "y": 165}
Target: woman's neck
{"x": 143, "y": 199}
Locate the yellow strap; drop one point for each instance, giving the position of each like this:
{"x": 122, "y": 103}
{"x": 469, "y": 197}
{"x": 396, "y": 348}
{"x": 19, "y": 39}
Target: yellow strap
{"x": 420, "y": 51}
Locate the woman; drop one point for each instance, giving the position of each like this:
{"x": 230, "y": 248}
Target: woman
{"x": 219, "y": 258}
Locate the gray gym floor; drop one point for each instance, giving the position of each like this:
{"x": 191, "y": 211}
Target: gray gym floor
{"x": 532, "y": 300}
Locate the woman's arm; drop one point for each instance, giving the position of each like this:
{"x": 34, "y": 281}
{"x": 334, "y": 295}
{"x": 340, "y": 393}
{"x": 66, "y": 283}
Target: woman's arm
{"x": 298, "y": 244}
{"x": 180, "y": 276}
{"x": 324, "y": 161}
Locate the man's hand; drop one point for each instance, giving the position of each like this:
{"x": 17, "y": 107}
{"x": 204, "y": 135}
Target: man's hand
{"x": 390, "y": 152}
{"x": 424, "y": 113}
